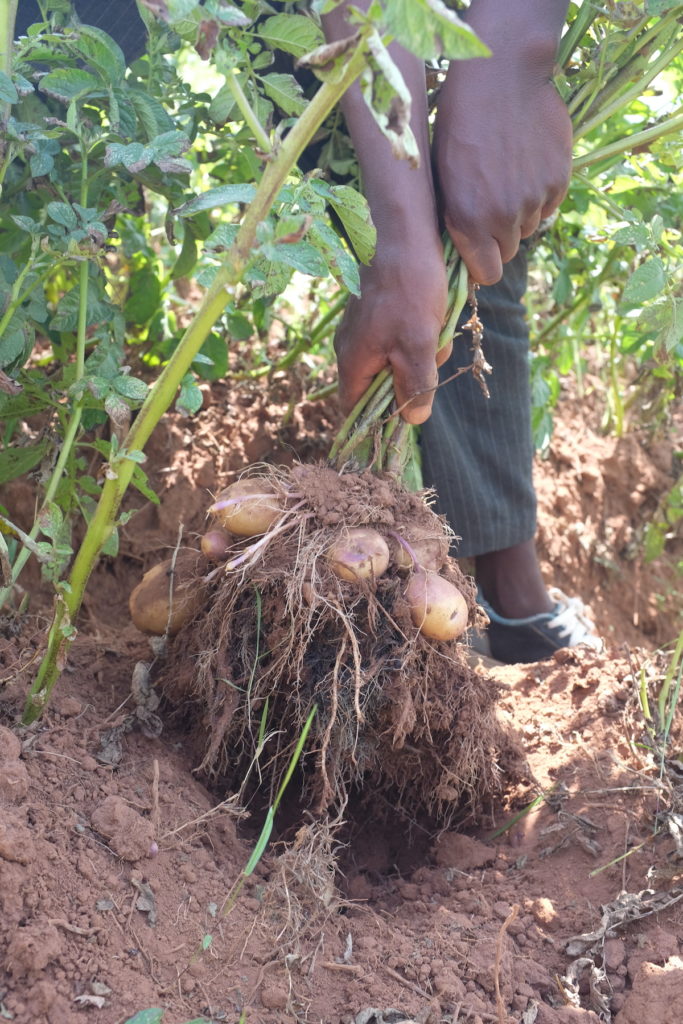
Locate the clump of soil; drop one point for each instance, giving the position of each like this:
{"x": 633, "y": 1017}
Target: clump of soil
{"x": 86, "y": 934}
{"x": 282, "y": 634}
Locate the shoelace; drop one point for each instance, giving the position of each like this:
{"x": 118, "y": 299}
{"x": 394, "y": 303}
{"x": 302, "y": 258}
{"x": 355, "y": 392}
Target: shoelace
{"x": 572, "y": 621}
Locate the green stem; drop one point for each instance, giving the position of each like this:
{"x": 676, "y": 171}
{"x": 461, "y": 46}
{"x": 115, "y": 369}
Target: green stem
{"x": 320, "y": 329}
{"x": 240, "y": 98}
{"x": 322, "y": 393}
{"x": 163, "y": 390}
{"x": 8, "y": 15}
{"x": 75, "y": 421}
{"x": 615, "y": 383}
{"x": 662, "y": 700}
{"x": 16, "y": 297}
{"x": 604, "y": 90}
{"x": 347, "y": 425}
{"x": 636, "y": 90}
{"x": 630, "y": 142}
{"x": 585, "y": 16}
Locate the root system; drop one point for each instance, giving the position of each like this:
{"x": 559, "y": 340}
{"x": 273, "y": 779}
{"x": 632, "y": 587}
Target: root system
{"x": 281, "y": 634}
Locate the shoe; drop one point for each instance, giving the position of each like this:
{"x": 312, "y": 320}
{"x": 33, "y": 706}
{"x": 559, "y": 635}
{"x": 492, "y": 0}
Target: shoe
{"x": 513, "y": 641}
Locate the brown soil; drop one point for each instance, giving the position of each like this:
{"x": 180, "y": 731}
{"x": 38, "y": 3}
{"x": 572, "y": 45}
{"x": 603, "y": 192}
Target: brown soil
{"x": 116, "y": 860}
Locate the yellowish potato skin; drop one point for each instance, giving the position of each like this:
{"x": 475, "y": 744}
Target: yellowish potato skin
{"x": 437, "y": 607}
{"x": 149, "y": 602}
{"x": 358, "y": 554}
{"x": 253, "y": 515}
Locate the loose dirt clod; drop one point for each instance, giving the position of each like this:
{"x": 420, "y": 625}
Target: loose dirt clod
{"x": 281, "y": 633}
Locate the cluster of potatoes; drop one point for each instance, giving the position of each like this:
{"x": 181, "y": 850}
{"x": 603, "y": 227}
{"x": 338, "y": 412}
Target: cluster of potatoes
{"x": 246, "y": 509}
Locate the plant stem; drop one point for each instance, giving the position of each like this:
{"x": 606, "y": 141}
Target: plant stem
{"x": 163, "y": 390}
{"x": 16, "y": 298}
{"x": 630, "y": 142}
{"x": 240, "y": 98}
{"x": 585, "y": 16}
{"x": 662, "y": 700}
{"x": 636, "y": 90}
{"x": 8, "y": 15}
{"x": 75, "y": 421}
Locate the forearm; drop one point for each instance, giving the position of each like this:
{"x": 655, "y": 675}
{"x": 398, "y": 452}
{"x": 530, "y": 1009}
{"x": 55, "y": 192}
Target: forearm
{"x": 529, "y": 30}
{"x": 401, "y": 197}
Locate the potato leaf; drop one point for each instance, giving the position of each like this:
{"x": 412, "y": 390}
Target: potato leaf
{"x": 285, "y": 92}
{"x": 430, "y": 29}
{"x": 354, "y": 213}
{"x": 293, "y": 33}
{"x": 16, "y": 461}
{"x": 646, "y": 281}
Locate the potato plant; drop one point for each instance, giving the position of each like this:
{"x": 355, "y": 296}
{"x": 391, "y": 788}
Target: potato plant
{"x": 95, "y": 141}
{"x": 119, "y": 182}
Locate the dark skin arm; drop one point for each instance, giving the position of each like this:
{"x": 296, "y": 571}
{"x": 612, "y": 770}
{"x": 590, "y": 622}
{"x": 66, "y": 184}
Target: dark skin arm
{"x": 502, "y": 151}
{"x": 503, "y": 137}
{"x": 398, "y": 317}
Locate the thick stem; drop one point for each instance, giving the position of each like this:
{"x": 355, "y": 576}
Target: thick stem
{"x": 8, "y": 15}
{"x": 163, "y": 390}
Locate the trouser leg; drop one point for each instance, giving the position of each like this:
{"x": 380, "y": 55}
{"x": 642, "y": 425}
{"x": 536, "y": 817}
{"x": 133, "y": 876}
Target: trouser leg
{"x": 118, "y": 18}
{"x": 477, "y": 452}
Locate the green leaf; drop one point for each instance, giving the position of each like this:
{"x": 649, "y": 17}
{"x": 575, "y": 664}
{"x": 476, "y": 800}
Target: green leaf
{"x": 51, "y": 521}
{"x": 219, "y": 196}
{"x": 111, "y": 544}
{"x": 102, "y": 54}
{"x": 340, "y": 262}
{"x": 62, "y": 214}
{"x": 216, "y": 351}
{"x": 302, "y": 256}
{"x": 135, "y": 455}
{"x": 632, "y": 234}
{"x": 354, "y": 213}
{"x": 131, "y": 387}
{"x": 661, "y": 6}
{"x": 134, "y": 157}
{"x": 69, "y": 84}
{"x": 285, "y": 92}
{"x": 187, "y": 257}
{"x": 140, "y": 481}
{"x": 430, "y": 29}
{"x": 153, "y": 1016}
{"x": 99, "y": 310}
{"x": 117, "y": 410}
{"x": 646, "y": 281}
{"x": 17, "y": 461}
{"x": 261, "y": 842}
{"x": 144, "y": 296}
{"x": 239, "y": 327}
{"x": 26, "y": 224}
{"x": 221, "y": 106}
{"x": 8, "y": 92}
{"x": 293, "y": 33}
{"x": 151, "y": 115}
{"x": 190, "y": 398}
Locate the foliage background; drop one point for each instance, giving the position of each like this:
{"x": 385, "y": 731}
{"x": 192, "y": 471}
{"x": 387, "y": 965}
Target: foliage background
{"x": 122, "y": 190}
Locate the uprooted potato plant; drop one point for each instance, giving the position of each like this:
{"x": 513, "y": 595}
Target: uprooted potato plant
{"x": 279, "y": 631}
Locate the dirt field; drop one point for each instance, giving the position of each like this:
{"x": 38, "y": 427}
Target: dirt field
{"x": 116, "y": 859}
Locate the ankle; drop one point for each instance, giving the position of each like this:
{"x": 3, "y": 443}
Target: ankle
{"x": 512, "y": 583}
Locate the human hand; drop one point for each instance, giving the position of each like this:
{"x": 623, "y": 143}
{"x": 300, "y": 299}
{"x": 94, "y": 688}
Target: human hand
{"x": 396, "y": 322}
{"x": 502, "y": 149}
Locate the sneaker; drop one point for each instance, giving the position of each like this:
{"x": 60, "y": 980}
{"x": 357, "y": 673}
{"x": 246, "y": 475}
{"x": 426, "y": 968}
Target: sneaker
{"x": 512, "y": 641}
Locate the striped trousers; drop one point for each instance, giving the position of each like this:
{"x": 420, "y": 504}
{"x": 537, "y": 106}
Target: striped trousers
{"x": 476, "y": 452}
